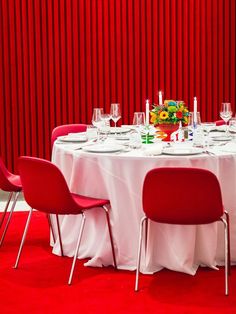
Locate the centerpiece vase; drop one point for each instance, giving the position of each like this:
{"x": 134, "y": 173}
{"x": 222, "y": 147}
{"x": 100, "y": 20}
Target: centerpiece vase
{"x": 168, "y": 129}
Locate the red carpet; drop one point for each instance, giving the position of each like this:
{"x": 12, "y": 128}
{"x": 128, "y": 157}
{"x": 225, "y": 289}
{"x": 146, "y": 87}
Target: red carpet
{"x": 39, "y": 285}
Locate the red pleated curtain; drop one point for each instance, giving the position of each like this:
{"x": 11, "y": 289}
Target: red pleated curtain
{"x": 61, "y": 58}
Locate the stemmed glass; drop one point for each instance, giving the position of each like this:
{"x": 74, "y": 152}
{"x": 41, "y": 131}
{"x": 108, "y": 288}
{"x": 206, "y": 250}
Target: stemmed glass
{"x": 115, "y": 113}
{"x": 97, "y": 120}
{"x": 139, "y": 119}
{"x": 226, "y": 114}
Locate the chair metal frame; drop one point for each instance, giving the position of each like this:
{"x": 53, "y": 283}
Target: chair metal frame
{"x": 10, "y": 183}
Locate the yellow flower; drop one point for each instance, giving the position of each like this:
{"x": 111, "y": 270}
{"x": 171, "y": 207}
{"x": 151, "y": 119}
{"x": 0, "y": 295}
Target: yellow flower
{"x": 164, "y": 115}
{"x": 166, "y": 103}
{"x": 186, "y": 120}
{"x": 153, "y": 117}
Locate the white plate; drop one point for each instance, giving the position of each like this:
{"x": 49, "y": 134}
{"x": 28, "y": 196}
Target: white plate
{"x": 71, "y": 138}
{"x": 103, "y": 148}
{"x": 121, "y": 138}
{"x": 119, "y": 130}
{"x": 182, "y": 151}
{"x": 221, "y": 138}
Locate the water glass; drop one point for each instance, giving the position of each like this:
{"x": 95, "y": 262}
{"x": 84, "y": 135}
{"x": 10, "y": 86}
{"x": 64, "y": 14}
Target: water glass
{"x": 105, "y": 127}
{"x": 135, "y": 140}
{"x": 232, "y": 127}
{"x": 207, "y": 127}
{"x": 91, "y": 132}
{"x": 194, "y": 124}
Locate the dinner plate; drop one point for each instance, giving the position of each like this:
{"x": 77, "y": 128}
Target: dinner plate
{"x": 121, "y": 138}
{"x": 71, "y": 138}
{"x": 103, "y": 148}
{"x": 221, "y": 138}
{"x": 119, "y": 130}
{"x": 182, "y": 151}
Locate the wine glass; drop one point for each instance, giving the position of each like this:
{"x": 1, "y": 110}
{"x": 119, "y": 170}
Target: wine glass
{"x": 115, "y": 113}
{"x": 97, "y": 120}
{"x": 138, "y": 119}
{"x": 226, "y": 114}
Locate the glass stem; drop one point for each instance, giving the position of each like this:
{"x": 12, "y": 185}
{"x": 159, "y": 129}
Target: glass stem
{"x": 226, "y": 129}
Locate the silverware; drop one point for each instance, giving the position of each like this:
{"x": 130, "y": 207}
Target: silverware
{"x": 209, "y": 153}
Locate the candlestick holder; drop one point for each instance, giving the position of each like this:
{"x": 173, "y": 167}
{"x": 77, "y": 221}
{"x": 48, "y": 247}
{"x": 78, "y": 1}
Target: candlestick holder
{"x": 147, "y": 138}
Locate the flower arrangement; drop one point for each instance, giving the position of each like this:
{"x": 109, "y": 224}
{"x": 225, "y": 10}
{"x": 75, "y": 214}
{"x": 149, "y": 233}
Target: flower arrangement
{"x": 172, "y": 112}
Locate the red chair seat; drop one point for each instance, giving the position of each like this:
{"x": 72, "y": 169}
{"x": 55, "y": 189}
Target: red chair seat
{"x": 86, "y": 202}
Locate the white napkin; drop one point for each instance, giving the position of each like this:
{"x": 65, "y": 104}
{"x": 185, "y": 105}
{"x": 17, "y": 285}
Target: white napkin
{"x": 77, "y": 134}
{"x": 80, "y": 136}
{"x": 153, "y": 150}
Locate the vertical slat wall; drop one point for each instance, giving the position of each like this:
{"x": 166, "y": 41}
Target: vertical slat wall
{"x": 61, "y": 58}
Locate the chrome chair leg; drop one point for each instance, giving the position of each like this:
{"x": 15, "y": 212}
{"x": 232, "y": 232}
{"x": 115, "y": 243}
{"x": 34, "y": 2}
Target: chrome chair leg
{"x": 139, "y": 252}
{"x": 6, "y": 208}
{"x": 9, "y": 217}
{"x": 229, "y": 255}
{"x": 77, "y": 248}
{"x": 51, "y": 227}
{"x": 59, "y": 235}
{"x": 226, "y": 231}
{"x": 110, "y": 234}
{"x": 23, "y": 237}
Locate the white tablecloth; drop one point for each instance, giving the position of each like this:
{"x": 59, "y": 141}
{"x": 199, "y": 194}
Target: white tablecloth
{"x": 119, "y": 178}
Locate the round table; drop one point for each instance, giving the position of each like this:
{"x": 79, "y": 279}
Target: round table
{"x": 119, "y": 177}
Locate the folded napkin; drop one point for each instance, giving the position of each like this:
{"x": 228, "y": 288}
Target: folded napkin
{"x": 77, "y": 134}
{"x": 153, "y": 150}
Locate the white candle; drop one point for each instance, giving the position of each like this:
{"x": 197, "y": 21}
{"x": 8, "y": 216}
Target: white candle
{"x": 195, "y": 110}
{"x": 147, "y": 112}
{"x": 160, "y": 98}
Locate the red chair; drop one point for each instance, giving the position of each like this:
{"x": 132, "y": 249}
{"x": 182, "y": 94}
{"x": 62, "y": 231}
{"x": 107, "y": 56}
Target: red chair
{"x": 46, "y": 190}
{"x": 220, "y": 122}
{"x": 65, "y": 129}
{"x": 202, "y": 203}
{"x": 11, "y": 183}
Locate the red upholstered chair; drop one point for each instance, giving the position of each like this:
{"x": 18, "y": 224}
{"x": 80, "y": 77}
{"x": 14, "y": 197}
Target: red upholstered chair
{"x": 11, "y": 183}
{"x": 46, "y": 190}
{"x": 65, "y": 129}
{"x": 202, "y": 203}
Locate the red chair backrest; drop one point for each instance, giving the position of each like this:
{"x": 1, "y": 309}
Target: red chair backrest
{"x": 220, "y": 122}
{"x": 44, "y": 186}
{"x": 7, "y": 179}
{"x": 65, "y": 129}
{"x": 182, "y": 196}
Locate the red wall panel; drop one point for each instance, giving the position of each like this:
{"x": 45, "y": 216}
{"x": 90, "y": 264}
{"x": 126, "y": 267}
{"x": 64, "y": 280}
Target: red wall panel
{"x": 61, "y": 58}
